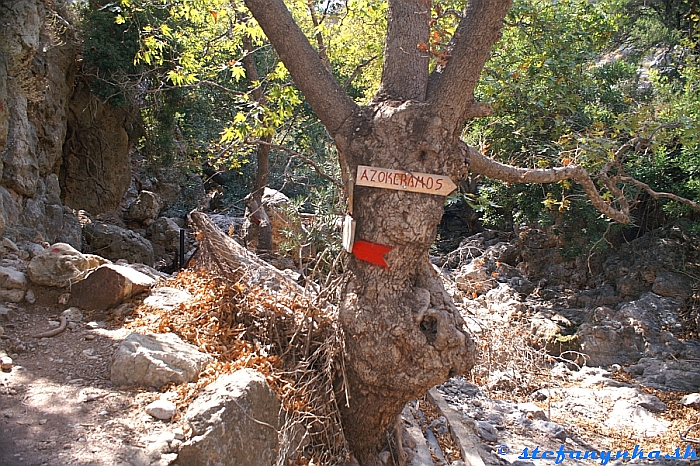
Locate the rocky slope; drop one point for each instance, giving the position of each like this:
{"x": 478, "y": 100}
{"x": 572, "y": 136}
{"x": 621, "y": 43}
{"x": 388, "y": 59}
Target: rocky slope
{"x": 585, "y": 368}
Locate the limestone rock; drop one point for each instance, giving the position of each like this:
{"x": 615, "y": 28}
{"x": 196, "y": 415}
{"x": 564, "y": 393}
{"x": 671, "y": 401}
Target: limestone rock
{"x": 12, "y": 296}
{"x": 162, "y": 409}
{"x": 108, "y": 286}
{"x": 234, "y": 421}
{"x": 11, "y": 279}
{"x": 95, "y": 170}
{"x": 154, "y": 360}
{"x": 59, "y": 266}
{"x": 474, "y": 278}
{"x": 114, "y": 242}
{"x": 634, "y": 330}
{"x": 145, "y": 209}
{"x": 167, "y": 298}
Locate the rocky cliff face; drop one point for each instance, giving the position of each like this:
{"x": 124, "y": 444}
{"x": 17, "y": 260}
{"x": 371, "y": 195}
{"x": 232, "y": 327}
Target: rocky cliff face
{"x": 50, "y": 128}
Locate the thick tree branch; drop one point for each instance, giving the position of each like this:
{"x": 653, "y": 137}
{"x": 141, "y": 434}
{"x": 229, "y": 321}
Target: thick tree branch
{"x": 406, "y": 56}
{"x": 451, "y": 88}
{"x": 481, "y": 164}
{"x": 330, "y": 102}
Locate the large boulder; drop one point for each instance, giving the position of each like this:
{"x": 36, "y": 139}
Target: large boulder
{"x": 154, "y": 360}
{"x": 114, "y": 242}
{"x": 108, "y": 286}
{"x": 37, "y": 71}
{"x": 60, "y": 265}
{"x": 145, "y": 209}
{"x": 234, "y": 422}
{"x": 634, "y": 330}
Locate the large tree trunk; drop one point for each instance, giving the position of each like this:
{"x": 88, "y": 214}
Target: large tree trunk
{"x": 403, "y": 332}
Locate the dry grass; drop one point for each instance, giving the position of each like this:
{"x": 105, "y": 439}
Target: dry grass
{"x": 282, "y": 336}
{"x": 509, "y": 350}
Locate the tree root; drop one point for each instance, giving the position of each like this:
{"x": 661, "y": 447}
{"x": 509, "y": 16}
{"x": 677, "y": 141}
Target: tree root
{"x": 56, "y": 331}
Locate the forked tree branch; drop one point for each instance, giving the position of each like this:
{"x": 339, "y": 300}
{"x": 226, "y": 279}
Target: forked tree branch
{"x": 451, "y": 88}
{"x": 655, "y": 194}
{"x": 481, "y": 164}
{"x": 406, "y": 56}
{"x": 331, "y": 103}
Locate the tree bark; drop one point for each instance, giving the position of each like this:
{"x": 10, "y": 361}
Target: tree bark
{"x": 254, "y": 206}
{"x": 408, "y": 26}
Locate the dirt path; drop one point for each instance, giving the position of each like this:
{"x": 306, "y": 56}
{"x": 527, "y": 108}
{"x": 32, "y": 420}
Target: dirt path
{"x": 57, "y": 405}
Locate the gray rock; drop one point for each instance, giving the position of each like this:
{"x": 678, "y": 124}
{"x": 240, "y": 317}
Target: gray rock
{"x": 550, "y": 428}
{"x": 58, "y": 266}
{"x": 486, "y": 431}
{"x": 167, "y": 298}
{"x": 234, "y": 422}
{"x": 634, "y": 330}
{"x": 162, "y": 409}
{"x": 115, "y": 243}
{"x": 164, "y": 234}
{"x": 109, "y": 285}
{"x": 672, "y": 285}
{"x": 33, "y": 249}
{"x": 154, "y": 360}
{"x": 11, "y": 296}
{"x": 667, "y": 374}
{"x": 145, "y": 209}
{"x": 651, "y": 403}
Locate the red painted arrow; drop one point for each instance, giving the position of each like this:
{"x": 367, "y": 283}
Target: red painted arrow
{"x": 371, "y": 252}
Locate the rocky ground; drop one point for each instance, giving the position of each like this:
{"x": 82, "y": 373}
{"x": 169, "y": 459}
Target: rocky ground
{"x": 590, "y": 362}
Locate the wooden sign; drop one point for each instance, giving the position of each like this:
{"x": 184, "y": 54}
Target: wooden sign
{"x": 371, "y": 252}
{"x": 404, "y": 181}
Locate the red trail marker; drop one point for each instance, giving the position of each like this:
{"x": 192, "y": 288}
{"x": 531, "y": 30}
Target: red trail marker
{"x": 371, "y": 252}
